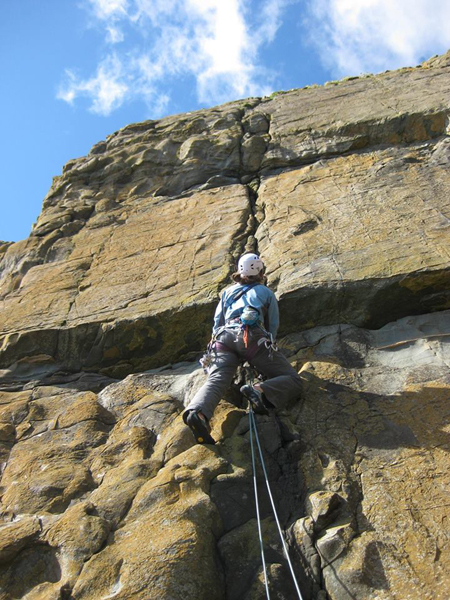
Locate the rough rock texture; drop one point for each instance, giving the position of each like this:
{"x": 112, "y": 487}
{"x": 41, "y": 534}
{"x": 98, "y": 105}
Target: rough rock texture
{"x": 106, "y": 495}
{"x": 344, "y": 190}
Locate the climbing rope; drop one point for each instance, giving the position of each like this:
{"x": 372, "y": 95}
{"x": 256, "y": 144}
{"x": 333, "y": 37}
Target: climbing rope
{"x": 258, "y": 518}
{"x": 254, "y": 432}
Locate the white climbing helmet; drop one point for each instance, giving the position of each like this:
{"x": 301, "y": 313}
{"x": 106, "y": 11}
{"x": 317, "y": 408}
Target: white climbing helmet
{"x": 250, "y": 264}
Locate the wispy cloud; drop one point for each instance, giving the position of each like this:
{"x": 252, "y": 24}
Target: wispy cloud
{"x": 150, "y": 44}
{"x": 110, "y": 13}
{"x": 107, "y": 89}
{"x": 215, "y": 46}
{"x": 357, "y": 36}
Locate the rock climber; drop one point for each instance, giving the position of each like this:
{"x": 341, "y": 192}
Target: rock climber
{"x": 245, "y": 326}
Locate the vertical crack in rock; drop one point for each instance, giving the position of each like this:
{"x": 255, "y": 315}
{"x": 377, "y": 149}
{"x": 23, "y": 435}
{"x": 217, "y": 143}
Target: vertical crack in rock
{"x": 254, "y": 141}
{"x": 127, "y": 504}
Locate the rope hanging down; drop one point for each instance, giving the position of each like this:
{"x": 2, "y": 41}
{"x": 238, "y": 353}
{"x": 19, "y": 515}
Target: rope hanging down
{"x": 258, "y": 518}
{"x": 254, "y": 432}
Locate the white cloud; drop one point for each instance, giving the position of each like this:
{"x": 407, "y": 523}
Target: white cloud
{"x": 270, "y": 18}
{"x": 109, "y": 12}
{"x": 357, "y": 36}
{"x": 107, "y": 89}
{"x": 115, "y": 35}
{"x": 106, "y": 9}
{"x": 215, "y": 42}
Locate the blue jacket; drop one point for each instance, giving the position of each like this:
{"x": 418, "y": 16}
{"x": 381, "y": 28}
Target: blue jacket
{"x": 259, "y": 297}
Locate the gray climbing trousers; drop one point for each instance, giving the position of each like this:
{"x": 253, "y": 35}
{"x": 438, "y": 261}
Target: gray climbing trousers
{"x": 282, "y": 384}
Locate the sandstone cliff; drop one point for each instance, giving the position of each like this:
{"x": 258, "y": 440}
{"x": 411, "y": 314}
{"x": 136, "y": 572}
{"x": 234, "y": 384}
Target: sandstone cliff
{"x": 344, "y": 190}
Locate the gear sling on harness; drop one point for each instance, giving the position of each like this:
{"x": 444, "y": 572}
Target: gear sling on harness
{"x": 247, "y": 318}
{"x": 233, "y": 299}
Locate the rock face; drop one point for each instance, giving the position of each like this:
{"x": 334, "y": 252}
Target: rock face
{"x": 105, "y": 493}
{"x": 344, "y": 191}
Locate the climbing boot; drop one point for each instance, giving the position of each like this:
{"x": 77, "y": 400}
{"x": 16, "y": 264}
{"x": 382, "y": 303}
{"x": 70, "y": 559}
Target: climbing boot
{"x": 255, "y": 397}
{"x": 199, "y": 426}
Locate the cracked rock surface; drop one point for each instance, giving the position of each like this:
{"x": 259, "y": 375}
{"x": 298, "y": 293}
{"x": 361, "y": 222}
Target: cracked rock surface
{"x": 343, "y": 188}
{"x": 107, "y": 306}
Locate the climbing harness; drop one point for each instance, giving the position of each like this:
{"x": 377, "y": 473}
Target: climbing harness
{"x": 254, "y": 434}
{"x": 209, "y": 357}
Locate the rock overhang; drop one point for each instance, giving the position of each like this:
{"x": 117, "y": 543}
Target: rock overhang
{"x": 102, "y": 480}
{"x": 343, "y": 189}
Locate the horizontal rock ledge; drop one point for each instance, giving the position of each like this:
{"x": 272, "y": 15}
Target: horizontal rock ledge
{"x": 126, "y": 346}
{"x": 116, "y": 348}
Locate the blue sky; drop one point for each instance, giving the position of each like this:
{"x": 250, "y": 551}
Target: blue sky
{"x": 74, "y": 71}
